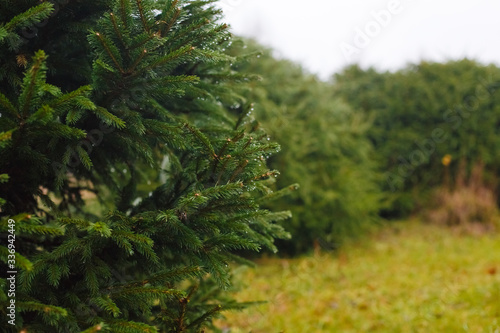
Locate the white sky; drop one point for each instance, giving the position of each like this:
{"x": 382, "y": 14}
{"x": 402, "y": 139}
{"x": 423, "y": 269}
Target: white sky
{"x": 312, "y": 32}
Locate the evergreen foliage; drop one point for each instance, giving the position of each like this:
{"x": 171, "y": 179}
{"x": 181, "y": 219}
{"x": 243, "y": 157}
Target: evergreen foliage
{"x": 94, "y": 98}
{"x": 325, "y": 150}
{"x": 423, "y": 116}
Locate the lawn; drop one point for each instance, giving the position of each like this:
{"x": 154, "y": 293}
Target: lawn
{"x": 409, "y": 278}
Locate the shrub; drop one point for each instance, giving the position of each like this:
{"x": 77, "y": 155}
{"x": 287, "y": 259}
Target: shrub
{"x": 421, "y": 114}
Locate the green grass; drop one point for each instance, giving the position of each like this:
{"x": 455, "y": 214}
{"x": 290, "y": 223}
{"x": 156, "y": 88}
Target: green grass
{"x": 421, "y": 278}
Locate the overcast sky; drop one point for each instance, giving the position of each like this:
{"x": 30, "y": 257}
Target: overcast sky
{"x": 326, "y": 35}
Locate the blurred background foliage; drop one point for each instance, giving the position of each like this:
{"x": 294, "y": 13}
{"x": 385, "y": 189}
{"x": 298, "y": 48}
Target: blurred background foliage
{"x": 325, "y": 148}
{"x": 433, "y": 124}
{"x": 370, "y": 146}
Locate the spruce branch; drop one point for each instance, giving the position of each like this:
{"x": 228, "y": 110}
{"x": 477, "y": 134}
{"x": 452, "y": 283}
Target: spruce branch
{"x": 205, "y": 317}
{"x": 125, "y": 12}
{"x": 240, "y": 168}
{"x": 55, "y": 311}
{"x": 24, "y": 20}
{"x": 127, "y": 326}
{"x": 171, "y": 15}
{"x": 118, "y": 31}
{"x": 112, "y": 52}
{"x": 96, "y": 328}
{"x": 31, "y": 82}
{"x": 145, "y": 24}
{"x": 7, "y": 105}
{"x": 170, "y": 57}
{"x": 109, "y": 118}
{"x": 202, "y": 139}
{"x": 136, "y": 62}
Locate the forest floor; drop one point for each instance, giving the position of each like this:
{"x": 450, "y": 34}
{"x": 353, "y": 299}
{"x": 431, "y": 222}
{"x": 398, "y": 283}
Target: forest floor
{"x": 409, "y": 277}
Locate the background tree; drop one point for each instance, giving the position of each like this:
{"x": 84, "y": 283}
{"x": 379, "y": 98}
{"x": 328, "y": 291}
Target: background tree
{"x": 92, "y": 96}
{"x": 422, "y": 114}
{"x": 325, "y": 150}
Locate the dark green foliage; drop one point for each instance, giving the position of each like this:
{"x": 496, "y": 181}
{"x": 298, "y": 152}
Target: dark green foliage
{"x": 423, "y": 113}
{"x": 325, "y": 150}
{"x": 98, "y": 97}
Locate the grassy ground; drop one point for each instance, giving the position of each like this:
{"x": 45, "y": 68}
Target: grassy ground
{"x": 419, "y": 279}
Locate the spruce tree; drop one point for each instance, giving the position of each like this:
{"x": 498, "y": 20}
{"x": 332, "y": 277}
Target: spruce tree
{"x": 133, "y": 170}
{"x": 325, "y": 150}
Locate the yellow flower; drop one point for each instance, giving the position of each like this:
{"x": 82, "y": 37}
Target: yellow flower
{"x": 446, "y": 160}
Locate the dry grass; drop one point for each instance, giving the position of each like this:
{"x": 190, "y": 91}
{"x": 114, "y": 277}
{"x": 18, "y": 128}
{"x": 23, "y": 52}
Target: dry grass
{"x": 421, "y": 279}
{"x": 469, "y": 204}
